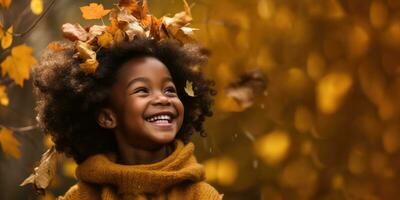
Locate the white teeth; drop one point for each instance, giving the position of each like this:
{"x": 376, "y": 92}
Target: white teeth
{"x": 159, "y": 117}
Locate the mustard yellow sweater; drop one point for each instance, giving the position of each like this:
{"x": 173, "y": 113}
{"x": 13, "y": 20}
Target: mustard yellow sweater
{"x": 178, "y": 176}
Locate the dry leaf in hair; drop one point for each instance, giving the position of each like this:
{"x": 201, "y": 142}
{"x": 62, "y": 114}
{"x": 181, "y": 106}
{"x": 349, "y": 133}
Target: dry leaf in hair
{"x": 125, "y": 17}
{"x": 85, "y": 51}
{"x": 89, "y": 66}
{"x": 9, "y": 143}
{"x": 247, "y": 88}
{"x": 55, "y": 46}
{"x": 18, "y": 64}
{"x": 119, "y": 36}
{"x": 95, "y": 31}
{"x": 134, "y": 30}
{"x": 189, "y": 88}
{"x": 105, "y": 40}
{"x": 44, "y": 173}
{"x": 74, "y": 32}
{"x": 93, "y": 11}
{"x": 136, "y": 8}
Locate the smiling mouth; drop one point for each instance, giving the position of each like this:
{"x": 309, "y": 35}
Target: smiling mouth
{"x": 163, "y": 122}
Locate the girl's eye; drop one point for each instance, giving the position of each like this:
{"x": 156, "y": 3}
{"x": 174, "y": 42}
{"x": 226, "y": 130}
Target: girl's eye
{"x": 170, "y": 90}
{"x": 141, "y": 90}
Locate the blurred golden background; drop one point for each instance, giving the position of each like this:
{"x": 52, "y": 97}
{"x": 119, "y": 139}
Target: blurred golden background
{"x": 326, "y": 126}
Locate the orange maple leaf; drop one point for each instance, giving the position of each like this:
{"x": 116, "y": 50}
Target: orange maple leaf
{"x": 93, "y": 11}
{"x": 17, "y": 64}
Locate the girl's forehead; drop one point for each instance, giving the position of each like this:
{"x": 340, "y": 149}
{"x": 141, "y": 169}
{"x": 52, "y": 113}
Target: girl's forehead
{"x": 145, "y": 67}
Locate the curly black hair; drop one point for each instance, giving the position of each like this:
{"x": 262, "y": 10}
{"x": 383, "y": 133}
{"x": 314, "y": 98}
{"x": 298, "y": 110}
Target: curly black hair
{"x": 68, "y": 100}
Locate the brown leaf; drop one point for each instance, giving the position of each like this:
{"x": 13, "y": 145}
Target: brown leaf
{"x": 134, "y": 30}
{"x": 124, "y": 16}
{"x": 74, "y": 32}
{"x": 44, "y": 173}
{"x": 138, "y": 9}
{"x": 95, "y": 31}
{"x": 249, "y": 86}
{"x": 119, "y": 36}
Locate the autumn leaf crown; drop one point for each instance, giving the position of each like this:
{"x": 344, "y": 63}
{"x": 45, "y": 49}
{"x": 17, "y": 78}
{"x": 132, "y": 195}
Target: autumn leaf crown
{"x": 129, "y": 21}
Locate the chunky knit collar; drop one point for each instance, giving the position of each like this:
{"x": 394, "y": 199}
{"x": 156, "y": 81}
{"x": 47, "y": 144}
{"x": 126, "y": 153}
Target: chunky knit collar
{"x": 178, "y": 167}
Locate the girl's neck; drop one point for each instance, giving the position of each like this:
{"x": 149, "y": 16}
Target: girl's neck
{"x": 129, "y": 155}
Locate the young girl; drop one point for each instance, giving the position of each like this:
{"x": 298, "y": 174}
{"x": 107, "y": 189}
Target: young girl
{"x": 128, "y": 122}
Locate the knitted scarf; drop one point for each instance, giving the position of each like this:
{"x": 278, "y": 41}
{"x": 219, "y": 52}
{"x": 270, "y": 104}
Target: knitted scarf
{"x": 178, "y": 176}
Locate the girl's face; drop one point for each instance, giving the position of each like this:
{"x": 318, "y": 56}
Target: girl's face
{"x": 145, "y": 103}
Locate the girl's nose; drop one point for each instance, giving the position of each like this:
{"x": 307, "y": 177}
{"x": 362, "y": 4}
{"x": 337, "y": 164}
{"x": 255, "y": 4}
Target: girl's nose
{"x": 161, "y": 99}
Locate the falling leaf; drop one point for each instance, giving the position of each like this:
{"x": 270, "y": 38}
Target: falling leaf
{"x": 9, "y": 143}
{"x": 44, "y": 173}
{"x": 55, "y": 46}
{"x": 247, "y": 88}
{"x": 7, "y": 38}
{"x": 74, "y": 32}
{"x": 3, "y": 96}
{"x": 17, "y": 65}
{"x": 37, "y": 6}
{"x": 89, "y": 66}
{"x": 5, "y": 3}
{"x": 93, "y": 11}
{"x": 189, "y": 88}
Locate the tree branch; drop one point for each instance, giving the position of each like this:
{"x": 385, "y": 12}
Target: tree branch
{"x": 20, "y": 129}
{"x": 36, "y": 22}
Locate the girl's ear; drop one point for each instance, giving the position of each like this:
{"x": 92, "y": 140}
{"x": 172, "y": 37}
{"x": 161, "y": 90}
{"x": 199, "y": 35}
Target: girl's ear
{"x": 107, "y": 118}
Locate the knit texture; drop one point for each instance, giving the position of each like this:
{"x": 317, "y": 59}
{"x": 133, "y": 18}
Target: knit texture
{"x": 178, "y": 176}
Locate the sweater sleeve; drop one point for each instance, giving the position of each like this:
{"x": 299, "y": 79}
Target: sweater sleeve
{"x": 81, "y": 191}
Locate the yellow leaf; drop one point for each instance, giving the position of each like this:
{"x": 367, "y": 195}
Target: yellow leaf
{"x": 9, "y": 143}
{"x": 6, "y": 40}
{"x": 5, "y": 3}
{"x": 105, "y": 40}
{"x": 37, "y": 6}
{"x": 17, "y": 65}
{"x": 3, "y": 96}
{"x": 94, "y": 11}
{"x": 189, "y": 88}
{"x": 45, "y": 172}
{"x": 85, "y": 51}
{"x": 89, "y": 66}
